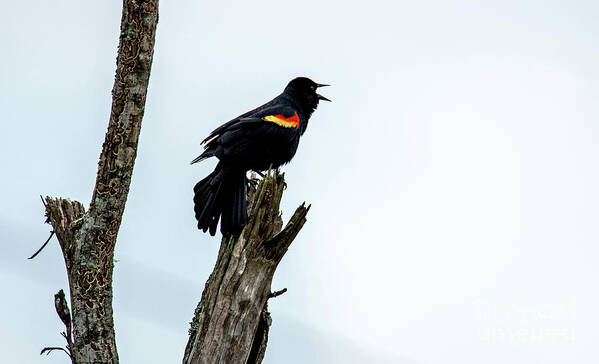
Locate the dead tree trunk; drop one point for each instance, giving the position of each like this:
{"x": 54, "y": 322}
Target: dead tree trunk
{"x": 87, "y": 239}
{"x": 231, "y": 321}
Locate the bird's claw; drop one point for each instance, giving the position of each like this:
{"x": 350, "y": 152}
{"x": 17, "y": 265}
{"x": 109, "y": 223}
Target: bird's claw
{"x": 252, "y": 183}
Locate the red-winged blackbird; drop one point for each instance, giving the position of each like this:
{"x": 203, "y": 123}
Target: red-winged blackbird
{"x": 264, "y": 137}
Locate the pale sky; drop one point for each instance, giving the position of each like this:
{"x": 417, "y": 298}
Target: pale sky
{"x": 453, "y": 179}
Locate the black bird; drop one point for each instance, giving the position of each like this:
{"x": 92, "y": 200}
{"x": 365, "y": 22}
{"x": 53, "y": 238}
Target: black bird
{"x": 260, "y": 138}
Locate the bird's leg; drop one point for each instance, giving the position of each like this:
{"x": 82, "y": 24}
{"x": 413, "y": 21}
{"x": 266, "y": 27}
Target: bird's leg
{"x": 262, "y": 175}
{"x": 252, "y": 182}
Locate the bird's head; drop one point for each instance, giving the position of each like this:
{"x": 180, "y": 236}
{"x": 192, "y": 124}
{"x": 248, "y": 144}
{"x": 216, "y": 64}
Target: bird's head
{"x": 303, "y": 90}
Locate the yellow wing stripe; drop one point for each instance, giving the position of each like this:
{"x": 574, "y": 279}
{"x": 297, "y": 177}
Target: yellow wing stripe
{"x": 284, "y": 121}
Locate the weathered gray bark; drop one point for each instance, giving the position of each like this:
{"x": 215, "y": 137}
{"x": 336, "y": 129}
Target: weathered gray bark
{"x": 87, "y": 239}
{"x": 231, "y": 321}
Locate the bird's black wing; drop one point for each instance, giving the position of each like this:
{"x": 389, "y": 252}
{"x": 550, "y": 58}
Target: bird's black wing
{"x": 251, "y": 130}
{"x": 228, "y": 124}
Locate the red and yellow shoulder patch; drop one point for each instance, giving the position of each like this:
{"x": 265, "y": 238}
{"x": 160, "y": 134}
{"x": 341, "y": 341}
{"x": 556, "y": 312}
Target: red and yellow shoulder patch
{"x": 284, "y": 121}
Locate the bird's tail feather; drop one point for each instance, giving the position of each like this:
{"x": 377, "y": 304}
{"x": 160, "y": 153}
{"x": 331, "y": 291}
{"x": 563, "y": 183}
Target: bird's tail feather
{"x": 234, "y": 212}
{"x": 221, "y": 195}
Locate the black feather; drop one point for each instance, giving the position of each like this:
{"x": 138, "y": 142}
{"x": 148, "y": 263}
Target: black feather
{"x": 252, "y": 141}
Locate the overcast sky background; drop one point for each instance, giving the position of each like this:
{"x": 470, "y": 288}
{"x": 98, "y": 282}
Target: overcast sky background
{"x": 453, "y": 180}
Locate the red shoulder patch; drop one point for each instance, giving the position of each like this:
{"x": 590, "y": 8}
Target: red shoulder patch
{"x": 284, "y": 121}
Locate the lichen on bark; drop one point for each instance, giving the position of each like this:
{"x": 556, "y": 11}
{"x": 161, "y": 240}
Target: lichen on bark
{"x": 87, "y": 239}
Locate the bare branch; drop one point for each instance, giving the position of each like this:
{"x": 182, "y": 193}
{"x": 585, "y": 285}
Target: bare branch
{"x": 62, "y": 309}
{"x": 49, "y": 349}
{"x": 277, "y": 293}
{"x": 43, "y": 246}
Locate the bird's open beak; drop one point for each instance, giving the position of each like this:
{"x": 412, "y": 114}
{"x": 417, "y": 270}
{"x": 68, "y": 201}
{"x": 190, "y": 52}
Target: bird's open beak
{"x": 320, "y": 97}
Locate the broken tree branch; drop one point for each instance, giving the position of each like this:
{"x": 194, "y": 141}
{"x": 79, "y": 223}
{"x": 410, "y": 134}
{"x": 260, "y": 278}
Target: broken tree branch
{"x": 231, "y": 321}
{"x": 277, "y": 293}
{"x": 62, "y": 309}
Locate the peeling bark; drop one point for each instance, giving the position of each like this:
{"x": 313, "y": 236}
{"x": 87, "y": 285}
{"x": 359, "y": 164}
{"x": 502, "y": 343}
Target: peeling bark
{"x": 87, "y": 239}
{"x": 231, "y": 321}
